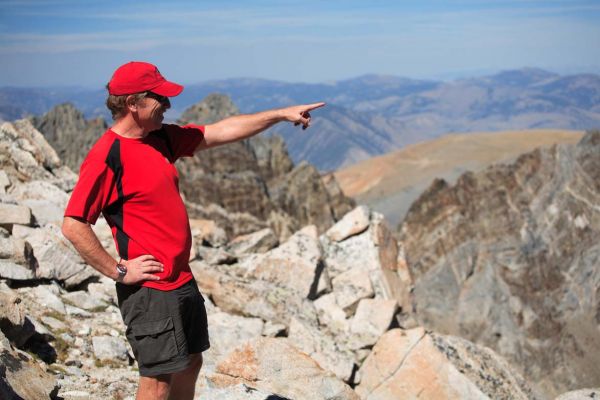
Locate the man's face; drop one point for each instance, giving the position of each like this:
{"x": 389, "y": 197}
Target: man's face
{"x": 150, "y": 111}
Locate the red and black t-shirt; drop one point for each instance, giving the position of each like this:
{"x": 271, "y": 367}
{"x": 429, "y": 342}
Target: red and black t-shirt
{"x": 135, "y": 185}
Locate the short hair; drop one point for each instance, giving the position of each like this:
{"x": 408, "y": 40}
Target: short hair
{"x": 118, "y": 104}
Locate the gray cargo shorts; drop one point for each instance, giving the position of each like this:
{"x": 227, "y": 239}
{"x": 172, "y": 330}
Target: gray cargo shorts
{"x": 163, "y": 327}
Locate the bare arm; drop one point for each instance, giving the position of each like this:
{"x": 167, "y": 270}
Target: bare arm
{"x": 89, "y": 247}
{"x": 241, "y": 127}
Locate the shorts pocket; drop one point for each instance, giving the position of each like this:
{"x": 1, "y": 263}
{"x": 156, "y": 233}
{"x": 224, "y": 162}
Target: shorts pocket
{"x": 155, "y": 341}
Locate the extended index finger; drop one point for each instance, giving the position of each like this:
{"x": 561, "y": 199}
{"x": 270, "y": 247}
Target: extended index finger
{"x": 314, "y": 106}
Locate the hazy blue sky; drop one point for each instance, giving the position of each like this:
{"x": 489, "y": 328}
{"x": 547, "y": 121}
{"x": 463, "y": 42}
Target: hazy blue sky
{"x": 81, "y": 42}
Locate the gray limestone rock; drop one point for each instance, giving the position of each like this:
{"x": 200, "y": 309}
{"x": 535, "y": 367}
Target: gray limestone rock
{"x": 55, "y": 256}
{"x": 17, "y": 261}
{"x": 296, "y": 265}
{"x": 54, "y": 323}
{"x": 109, "y": 348}
{"x": 44, "y": 296}
{"x": 271, "y": 156}
{"x": 373, "y": 317}
{"x": 374, "y": 251}
{"x": 251, "y": 298}
{"x": 104, "y": 290}
{"x": 255, "y": 242}
{"x": 83, "y": 299}
{"x": 46, "y": 201}
{"x": 352, "y": 223}
{"x": 350, "y": 287}
{"x": 11, "y": 214}
{"x": 330, "y": 314}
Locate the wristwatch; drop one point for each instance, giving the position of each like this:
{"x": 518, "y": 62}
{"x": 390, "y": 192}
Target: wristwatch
{"x": 122, "y": 270}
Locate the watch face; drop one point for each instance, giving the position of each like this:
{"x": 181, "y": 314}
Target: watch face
{"x": 122, "y": 269}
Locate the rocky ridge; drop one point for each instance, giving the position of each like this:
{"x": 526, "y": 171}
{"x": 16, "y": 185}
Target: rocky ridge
{"x": 69, "y": 133}
{"x": 302, "y": 320}
{"x": 508, "y": 258}
{"x": 245, "y": 186}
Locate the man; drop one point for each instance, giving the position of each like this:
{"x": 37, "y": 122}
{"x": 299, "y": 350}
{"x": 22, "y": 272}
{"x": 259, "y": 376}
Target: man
{"x": 129, "y": 177}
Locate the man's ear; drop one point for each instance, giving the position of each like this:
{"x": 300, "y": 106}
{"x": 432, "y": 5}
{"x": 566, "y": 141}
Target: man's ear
{"x": 131, "y": 103}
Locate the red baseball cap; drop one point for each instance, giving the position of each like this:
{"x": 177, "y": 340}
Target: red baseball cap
{"x": 138, "y": 76}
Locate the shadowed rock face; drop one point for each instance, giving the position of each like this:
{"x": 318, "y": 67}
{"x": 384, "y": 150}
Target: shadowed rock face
{"x": 508, "y": 258}
{"x": 71, "y": 136}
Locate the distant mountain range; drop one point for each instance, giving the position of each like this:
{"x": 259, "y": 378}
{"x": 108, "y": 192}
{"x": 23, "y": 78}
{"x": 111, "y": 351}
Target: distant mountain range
{"x": 374, "y": 114}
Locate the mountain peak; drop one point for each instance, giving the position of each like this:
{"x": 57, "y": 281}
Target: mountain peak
{"x": 213, "y": 108}
{"x": 522, "y": 77}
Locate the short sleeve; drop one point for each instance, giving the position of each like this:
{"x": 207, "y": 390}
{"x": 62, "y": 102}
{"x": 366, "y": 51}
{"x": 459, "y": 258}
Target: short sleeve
{"x": 93, "y": 191}
{"x": 184, "y": 140}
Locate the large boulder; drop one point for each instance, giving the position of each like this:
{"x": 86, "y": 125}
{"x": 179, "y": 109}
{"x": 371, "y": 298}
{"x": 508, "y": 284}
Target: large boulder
{"x": 295, "y": 265}
{"x": 417, "y": 364}
{"x": 326, "y": 349}
{"x": 11, "y": 214}
{"x": 17, "y": 261}
{"x": 226, "y": 332}
{"x": 21, "y": 377}
{"x": 251, "y": 297}
{"x": 256, "y": 242}
{"x": 356, "y": 250}
{"x": 46, "y": 201}
{"x": 274, "y": 365}
{"x": 56, "y": 257}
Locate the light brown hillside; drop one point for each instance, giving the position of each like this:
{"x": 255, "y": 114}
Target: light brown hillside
{"x": 390, "y": 183}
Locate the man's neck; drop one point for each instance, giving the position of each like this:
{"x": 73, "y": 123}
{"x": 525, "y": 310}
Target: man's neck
{"x": 127, "y": 127}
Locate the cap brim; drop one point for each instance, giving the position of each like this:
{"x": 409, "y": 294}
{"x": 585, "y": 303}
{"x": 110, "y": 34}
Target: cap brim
{"x": 168, "y": 89}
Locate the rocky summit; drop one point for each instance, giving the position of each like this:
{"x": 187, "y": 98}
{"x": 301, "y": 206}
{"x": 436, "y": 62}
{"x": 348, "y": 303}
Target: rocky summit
{"x": 327, "y": 313}
{"x": 509, "y": 258}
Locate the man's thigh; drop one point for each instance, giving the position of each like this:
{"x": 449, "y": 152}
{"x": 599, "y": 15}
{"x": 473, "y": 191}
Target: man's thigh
{"x": 164, "y": 327}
